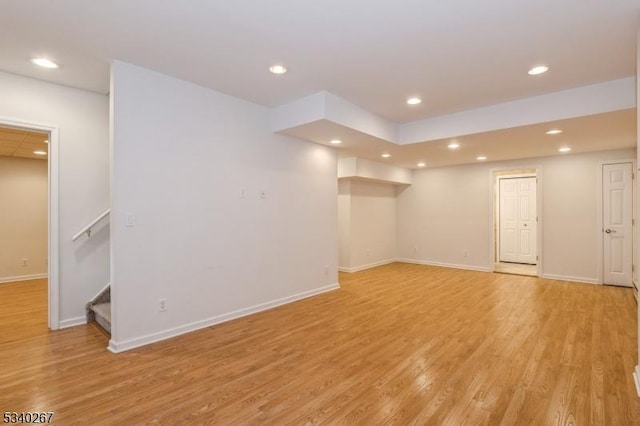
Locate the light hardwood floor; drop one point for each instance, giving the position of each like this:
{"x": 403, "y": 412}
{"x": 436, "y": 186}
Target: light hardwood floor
{"x": 399, "y": 344}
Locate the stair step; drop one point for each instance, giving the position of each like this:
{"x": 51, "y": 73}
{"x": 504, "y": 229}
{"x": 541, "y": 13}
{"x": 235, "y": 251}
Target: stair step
{"x": 103, "y": 315}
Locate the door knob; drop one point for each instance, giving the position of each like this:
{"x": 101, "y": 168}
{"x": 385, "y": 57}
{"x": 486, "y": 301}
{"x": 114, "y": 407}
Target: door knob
{"x": 609, "y": 231}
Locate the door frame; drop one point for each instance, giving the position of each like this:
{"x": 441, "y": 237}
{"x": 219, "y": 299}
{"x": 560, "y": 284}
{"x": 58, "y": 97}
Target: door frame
{"x": 600, "y": 205}
{"x": 53, "y": 261}
{"x": 497, "y": 207}
{"x": 494, "y": 240}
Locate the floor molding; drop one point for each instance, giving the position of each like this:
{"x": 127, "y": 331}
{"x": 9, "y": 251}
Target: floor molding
{"x": 115, "y": 346}
{"x": 364, "y": 267}
{"x": 72, "y": 322}
{"x": 569, "y": 278}
{"x": 636, "y": 379}
{"x": 23, "y": 278}
{"x": 445, "y": 265}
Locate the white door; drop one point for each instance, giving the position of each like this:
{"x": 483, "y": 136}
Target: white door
{"x": 617, "y": 226}
{"x": 517, "y": 220}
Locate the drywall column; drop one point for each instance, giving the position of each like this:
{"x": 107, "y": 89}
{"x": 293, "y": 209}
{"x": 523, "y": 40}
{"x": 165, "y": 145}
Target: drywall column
{"x": 636, "y": 374}
{"x": 211, "y": 212}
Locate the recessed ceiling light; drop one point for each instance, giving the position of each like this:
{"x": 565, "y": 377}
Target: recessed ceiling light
{"x": 335, "y": 142}
{"x": 453, "y": 145}
{"x": 422, "y": 164}
{"x": 564, "y": 149}
{"x": 277, "y": 69}
{"x": 44, "y": 62}
{"x": 540, "y": 69}
{"x": 554, "y": 132}
{"x": 414, "y": 101}
{"x": 481, "y": 157}
{"x": 385, "y": 155}
{"x": 40, "y": 152}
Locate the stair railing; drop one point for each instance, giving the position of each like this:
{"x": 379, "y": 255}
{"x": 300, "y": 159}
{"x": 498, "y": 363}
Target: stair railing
{"x": 87, "y": 229}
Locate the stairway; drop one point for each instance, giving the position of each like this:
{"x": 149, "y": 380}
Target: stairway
{"x": 99, "y": 309}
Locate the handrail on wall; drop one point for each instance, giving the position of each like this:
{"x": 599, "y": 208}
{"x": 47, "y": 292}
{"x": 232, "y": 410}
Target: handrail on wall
{"x": 87, "y": 229}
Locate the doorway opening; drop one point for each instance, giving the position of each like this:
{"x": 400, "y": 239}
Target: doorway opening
{"x": 516, "y": 227}
{"x": 28, "y": 247}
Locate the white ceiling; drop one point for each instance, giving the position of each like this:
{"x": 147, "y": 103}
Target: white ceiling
{"x": 607, "y": 131}
{"x": 456, "y": 54}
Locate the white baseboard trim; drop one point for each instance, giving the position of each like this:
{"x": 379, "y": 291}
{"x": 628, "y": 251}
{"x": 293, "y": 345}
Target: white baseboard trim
{"x": 445, "y": 265}
{"x": 363, "y": 267}
{"x": 115, "y": 346}
{"x": 636, "y": 379}
{"x": 23, "y": 278}
{"x": 72, "y": 322}
{"x": 569, "y": 278}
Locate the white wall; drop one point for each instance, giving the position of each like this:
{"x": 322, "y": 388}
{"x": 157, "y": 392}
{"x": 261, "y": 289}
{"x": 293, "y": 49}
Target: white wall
{"x": 373, "y": 223}
{"x": 82, "y": 119}
{"x": 181, "y": 157}
{"x": 367, "y": 218}
{"x": 360, "y": 168}
{"x": 344, "y": 224}
{"x": 23, "y": 218}
{"x": 448, "y": 210}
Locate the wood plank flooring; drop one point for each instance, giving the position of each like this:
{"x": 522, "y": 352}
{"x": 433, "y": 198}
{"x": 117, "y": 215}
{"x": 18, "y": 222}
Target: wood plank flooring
{"x": 23, "y": 310}
{"x": 398, "y": 344}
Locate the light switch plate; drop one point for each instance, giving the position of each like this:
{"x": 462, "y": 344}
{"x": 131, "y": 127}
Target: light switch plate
{"x": 131, "y": 219}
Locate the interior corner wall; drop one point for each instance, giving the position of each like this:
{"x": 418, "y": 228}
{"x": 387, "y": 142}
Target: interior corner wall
{"x": 230, "y": 218}
{"x": 369, "y": 208}
{"x": 82, "y": 119}
{"x": 344, "y": 224}
{"x": 23, "y": 218}
{"x": 447, "y": 212}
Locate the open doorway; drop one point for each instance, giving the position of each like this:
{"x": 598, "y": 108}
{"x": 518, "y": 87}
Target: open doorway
{"x": 516, "y": 241}
{"x": 23, "y": 229}
{"x": 28, "y": 227}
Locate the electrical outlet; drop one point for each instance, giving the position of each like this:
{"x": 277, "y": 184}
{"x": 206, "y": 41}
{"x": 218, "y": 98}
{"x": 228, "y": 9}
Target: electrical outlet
{"x": 25, "y": 262}
{"x": 465, "y": 253}
{"x": 162, "y": 305}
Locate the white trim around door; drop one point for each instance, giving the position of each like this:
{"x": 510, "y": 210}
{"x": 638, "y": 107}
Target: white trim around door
{"x": 524, "y": 171}
{"x": 53, "y": 214}
{"x": 600, "y": 204}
